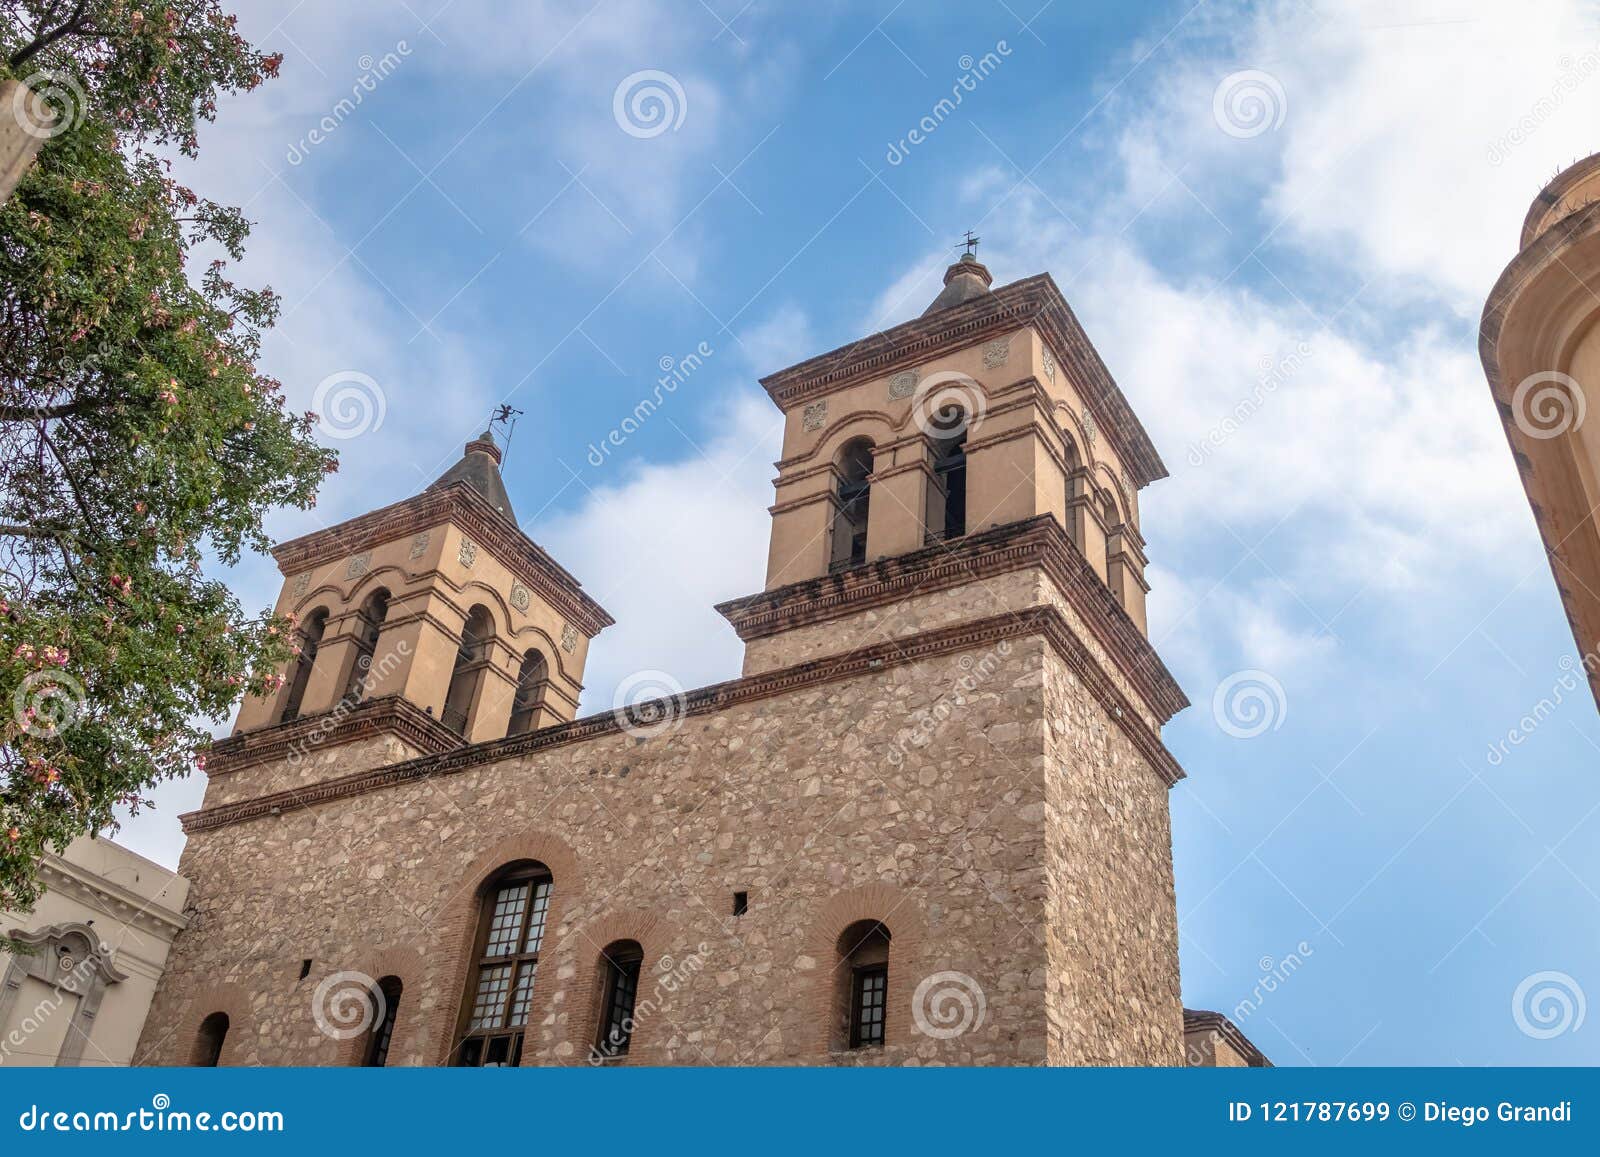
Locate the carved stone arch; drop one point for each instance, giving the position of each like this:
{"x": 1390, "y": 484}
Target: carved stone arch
{"x": 408, "y": 966}
{"x": 376, "y": 578}
{"x": 532, "y": 637}
{"x": 898, "y": 912}
{"x": 327, "y": 595}
{"x": 1072, "y": 425}
{"x": 588, "y": 938}
{"x": 1108, "y": 483}
{"x": 72, "y": 959}
{"x": 475, "y": 591}
{"x": 229, "y": 999}
{"x": 458, "y": 923}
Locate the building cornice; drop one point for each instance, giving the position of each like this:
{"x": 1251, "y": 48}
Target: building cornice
{"x": 385, "y": 715}
{"x": 65, "y": 878}
{"x": 1034, "y": 542}
{"x": 1551, "y": 195}
{"x": 1045, "y": 621}
{"x": 469, "y": 511}
{"x": 1032, "y": 301}
{"x": 1197, "y": 1020}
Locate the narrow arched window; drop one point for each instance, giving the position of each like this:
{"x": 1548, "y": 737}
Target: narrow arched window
{"x": 309, "y": 640}
{"x": 505, "y": 959}
{"x": 947, "y": 505}
{"x": 862, "y": 996}
{"x": 369, "y": 623}
{"x": 472, "y": 656}
{"x": 532, "y": 682}
{"x": 620, "y": 962}
{"x": 1113, "y": 524}
{"x": 385, "y": 1009}
{"x": 208, "y": 1041}
{"x": 854, "y": 468}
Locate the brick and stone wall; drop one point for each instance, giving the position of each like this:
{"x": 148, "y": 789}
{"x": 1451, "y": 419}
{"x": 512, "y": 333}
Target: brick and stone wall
{"x": 981, "y": 803}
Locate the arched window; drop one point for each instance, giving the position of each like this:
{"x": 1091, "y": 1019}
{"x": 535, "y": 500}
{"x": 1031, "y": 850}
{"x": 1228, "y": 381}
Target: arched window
{"x": 620, "y": 962}
{"x": 310, "y": 639}
{"x": 368, "y": 625}
{"x": 208, "y": 1041}
{"x": 505, "y": 958}
{"x": 472, "y": 656}
{"x": 532, "y": 682}
{"x": 1113, "y": 523}
{"x": 385, "y": 1008}
{"x": 947, "y": 505}
{"x": 850, "y": 518}
{"x": 861, "y": 997}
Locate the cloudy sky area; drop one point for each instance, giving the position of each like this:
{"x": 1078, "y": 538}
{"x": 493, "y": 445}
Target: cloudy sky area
{"x": 480, "y": 229}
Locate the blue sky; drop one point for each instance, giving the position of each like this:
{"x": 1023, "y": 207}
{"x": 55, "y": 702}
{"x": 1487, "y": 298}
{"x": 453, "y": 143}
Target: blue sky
{"x": 481, "y": 227}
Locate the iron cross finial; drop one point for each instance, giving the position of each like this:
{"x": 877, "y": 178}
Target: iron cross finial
{"x": 972, "y": 244}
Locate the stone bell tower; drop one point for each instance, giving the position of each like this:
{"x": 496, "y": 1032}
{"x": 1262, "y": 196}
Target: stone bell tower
{"x": 424, "y": 625}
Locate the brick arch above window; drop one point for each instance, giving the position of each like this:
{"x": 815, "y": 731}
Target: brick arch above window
{"x": 459, "y": 913}
{"x": 227, "y": 998}
{"x": 656, "y": 937}
{"x": 411, "y": 1042}
{"x": 899, "y": 912}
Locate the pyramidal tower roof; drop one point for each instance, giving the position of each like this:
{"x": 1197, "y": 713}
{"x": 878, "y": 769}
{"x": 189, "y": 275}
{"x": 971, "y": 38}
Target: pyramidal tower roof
{"x": 964, "y": 281}
{"x": 479, "y": 468}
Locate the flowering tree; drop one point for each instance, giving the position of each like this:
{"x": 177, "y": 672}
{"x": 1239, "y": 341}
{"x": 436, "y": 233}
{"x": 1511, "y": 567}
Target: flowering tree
{"x": 136, "y": 435}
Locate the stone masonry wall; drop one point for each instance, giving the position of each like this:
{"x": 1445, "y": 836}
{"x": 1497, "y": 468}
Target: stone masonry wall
{"x": 932, "y": 796}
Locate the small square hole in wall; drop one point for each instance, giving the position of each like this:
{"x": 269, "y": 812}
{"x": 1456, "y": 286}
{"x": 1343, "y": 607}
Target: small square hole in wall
{"x": 741, "y": 903}
{"x": 305, "y": 968}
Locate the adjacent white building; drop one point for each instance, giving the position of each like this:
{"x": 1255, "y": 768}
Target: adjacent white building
{"x": 92, "y": 950}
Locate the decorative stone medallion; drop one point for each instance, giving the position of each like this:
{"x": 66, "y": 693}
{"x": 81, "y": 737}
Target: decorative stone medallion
{"x": 996, "y": 352}
{"x": 903, "y": 384}
{"x": 569, "y": 638}
{"x": 814, "y": 416}
{"x": 520, "y": 596}
{"x": 301, "y": 585}
{"x": 468, "y": 553}
{"x": 1049, "y": 364}
{"x": 1090, "y": 430}
{"x": 419, "y": 544}
{"x": 359, "y": 565}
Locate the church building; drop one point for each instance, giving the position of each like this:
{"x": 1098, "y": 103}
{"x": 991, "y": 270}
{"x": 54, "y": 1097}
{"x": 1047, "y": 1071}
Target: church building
{"x": 927, "y": 824}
